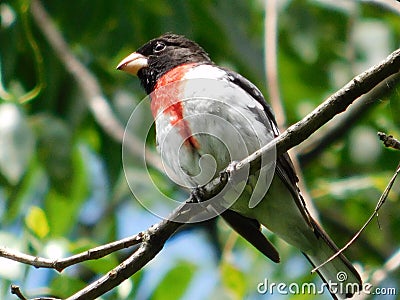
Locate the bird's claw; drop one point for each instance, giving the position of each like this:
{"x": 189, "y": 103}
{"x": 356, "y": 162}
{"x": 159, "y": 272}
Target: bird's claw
{"x": 197, "y": 194}
{"x": 230, "y": 169}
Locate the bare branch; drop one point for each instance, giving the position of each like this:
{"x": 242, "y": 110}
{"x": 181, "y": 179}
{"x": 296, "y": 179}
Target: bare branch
{"x": 15, "y": 290}
{"x": 61, "y": 264}
{"x": 389, "y": 141}
{"x": 381, "y": 201}
{"x": 334, "y": 105}
{"x": 314, "y": 146}
{"x": 154, "y": 240}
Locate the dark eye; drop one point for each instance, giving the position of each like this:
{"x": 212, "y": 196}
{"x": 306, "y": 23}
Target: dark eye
{"x": 159, "y": 46}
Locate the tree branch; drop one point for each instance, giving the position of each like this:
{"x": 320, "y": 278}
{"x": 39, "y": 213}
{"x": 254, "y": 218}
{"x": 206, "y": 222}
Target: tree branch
{"x": 153, "y": 241}
{"x": 325, "y": 138}
{"x": 334, "y": 105}
{"x": 389, "y": 141}
{"x": 16, "y": 291}
{"x": 381, "y": 201}
{"x": 61, "y": 264}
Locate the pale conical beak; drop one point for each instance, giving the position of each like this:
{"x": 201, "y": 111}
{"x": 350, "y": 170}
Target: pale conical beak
{"x": 133, "y": 63}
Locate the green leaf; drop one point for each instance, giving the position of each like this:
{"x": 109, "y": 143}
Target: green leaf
{"x": 175, "y": 282}
{"x": 233, "y": 280}
{"x": 16, "y": 142}
{"x": 36, "y": 221}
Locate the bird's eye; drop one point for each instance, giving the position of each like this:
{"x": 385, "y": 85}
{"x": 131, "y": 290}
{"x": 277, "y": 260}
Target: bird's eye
{"x": 160, "y": 46}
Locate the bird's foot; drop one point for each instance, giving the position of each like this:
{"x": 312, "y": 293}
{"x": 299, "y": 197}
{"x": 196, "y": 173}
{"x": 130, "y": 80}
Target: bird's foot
{"x": 228, "y": 173}
{"x": 197, "y": 194}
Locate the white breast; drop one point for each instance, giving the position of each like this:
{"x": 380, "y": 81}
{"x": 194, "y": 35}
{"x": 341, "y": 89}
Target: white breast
{"x": 221, "y": 116}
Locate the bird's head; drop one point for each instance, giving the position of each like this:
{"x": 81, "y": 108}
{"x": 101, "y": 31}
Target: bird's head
{"x": 161, "y": 55}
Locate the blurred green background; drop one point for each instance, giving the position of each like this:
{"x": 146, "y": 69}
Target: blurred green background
{"x": 62, "y": 185}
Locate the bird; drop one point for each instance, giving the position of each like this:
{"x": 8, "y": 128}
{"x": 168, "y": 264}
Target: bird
{"x": 206, "y": 118}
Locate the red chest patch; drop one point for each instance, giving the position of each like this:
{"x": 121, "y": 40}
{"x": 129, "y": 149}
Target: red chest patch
{"x": 166, "y": 100}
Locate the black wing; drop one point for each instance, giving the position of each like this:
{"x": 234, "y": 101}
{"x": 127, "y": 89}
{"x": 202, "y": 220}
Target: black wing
{"x": 284, "y": 166}
{"x": 250, "y": 229}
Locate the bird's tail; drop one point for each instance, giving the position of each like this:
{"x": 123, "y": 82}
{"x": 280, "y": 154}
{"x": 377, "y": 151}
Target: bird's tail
{"x": 339, "y": 275}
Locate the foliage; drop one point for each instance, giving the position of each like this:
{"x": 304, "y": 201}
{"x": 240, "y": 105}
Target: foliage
{"x": 62, "y": 186}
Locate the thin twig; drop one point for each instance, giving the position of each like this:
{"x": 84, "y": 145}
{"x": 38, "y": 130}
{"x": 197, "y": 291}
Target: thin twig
{"x": 154, "y": 240}
{"x": 389, "y": 141}
{"x": 381, "y": 201}
{"x": 61, "y": 264}
{"x": 15, "y": 290}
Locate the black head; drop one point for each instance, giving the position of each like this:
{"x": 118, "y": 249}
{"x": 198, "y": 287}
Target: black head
{"x": 160, "y": 55}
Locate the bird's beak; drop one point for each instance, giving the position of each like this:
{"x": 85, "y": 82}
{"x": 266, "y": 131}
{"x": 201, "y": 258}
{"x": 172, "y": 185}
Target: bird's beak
{"x": 133, "y": 63}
